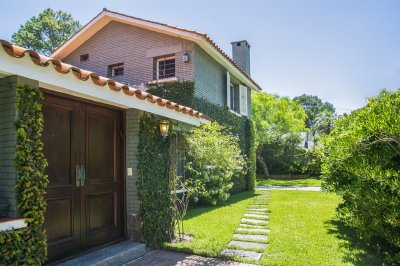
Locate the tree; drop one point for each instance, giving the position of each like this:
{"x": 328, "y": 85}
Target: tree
{"x": 316, "y": 110}
{"x": 276, "y": 119}
{"x": 46, "y": 32}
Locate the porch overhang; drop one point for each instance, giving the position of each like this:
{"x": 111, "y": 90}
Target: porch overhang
{"x": 68, "y": 83}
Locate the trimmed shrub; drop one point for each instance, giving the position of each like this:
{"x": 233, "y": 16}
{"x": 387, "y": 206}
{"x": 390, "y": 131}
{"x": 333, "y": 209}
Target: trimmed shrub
{"x": 213, "y": 158}
{"x": 363, "y": 165}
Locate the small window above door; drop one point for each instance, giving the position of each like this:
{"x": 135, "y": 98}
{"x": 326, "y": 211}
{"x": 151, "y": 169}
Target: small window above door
{"x": 116, "y": 70}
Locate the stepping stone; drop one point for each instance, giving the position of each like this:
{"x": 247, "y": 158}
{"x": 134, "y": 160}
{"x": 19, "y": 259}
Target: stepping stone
{"x": 253, "y": 221}
{"x": 256, "y": 212}
{"x": 252, "y": 230}
{"x": 242, "y": 244}
{"x": 251, "y": 237}
{"x": 250, "y": 215}
{"x": 257, "y": 209}
{"x": 251, "y": 226}
{"x": 250, "y": 255}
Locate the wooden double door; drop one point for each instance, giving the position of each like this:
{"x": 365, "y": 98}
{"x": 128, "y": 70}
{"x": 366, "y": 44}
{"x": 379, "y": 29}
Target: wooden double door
{"x": 84, "y": 196}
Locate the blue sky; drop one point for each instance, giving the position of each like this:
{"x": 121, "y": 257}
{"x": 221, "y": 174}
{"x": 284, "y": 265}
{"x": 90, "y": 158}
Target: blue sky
{"x": 343, "y": 51}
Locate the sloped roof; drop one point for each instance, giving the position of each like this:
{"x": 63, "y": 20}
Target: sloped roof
{"x": 200, "y": 38}
{"x": 85, "y": 75}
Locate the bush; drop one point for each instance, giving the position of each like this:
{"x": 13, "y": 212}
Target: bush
{"x": 363, "y": 165}
{"x": 213, "y": 158}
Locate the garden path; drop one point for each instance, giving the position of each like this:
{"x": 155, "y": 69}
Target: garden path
{"x": 251, "y": 237}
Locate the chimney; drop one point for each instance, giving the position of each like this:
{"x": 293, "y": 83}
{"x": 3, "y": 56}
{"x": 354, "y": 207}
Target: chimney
{"x": 241, "y": 55}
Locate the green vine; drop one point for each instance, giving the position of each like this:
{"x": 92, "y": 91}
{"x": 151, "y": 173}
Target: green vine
{"x": 28, "y": 246}
{"x": 154, "y": 183}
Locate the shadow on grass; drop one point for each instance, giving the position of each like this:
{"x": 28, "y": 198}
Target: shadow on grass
{"x": 355, "y": 248}
{"x": 195, "y": 210}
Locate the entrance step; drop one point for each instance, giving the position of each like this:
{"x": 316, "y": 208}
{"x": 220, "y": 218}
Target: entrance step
{"x": 117, "y": 254}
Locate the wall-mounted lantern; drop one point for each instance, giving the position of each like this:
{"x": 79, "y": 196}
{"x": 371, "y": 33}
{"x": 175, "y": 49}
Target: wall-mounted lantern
{"x": 164, "y": 128}
{"x": 185, "y": 57}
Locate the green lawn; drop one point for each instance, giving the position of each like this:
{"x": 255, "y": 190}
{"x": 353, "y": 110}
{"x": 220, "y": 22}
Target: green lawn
{"x": 212, "y": 227}
{"x": 303, "y": 182}
{"x": 304, "y": 231}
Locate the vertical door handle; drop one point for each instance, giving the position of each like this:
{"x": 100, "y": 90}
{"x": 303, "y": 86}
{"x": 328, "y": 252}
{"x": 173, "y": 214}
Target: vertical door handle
{"x": 78, "y": 175}
{"x": 83, "y": 175}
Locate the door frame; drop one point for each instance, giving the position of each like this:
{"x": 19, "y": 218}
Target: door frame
{"x": 122, "y": 158}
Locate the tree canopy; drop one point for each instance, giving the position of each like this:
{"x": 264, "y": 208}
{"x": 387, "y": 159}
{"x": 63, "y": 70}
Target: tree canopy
{"x": 318, "y": 112}
{"x": 46, "y": 32}
{"x": 276, "y": 117}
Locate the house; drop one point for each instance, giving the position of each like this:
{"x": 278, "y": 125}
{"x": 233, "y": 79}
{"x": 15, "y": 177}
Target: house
{"x": 142, "y": 53}
{"x": 90, "y": 138}
{"x": 95, "y": 94}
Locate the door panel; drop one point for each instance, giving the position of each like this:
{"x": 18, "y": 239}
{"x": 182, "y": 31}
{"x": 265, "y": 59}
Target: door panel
{"x": 83, "y": 214}
{"x": 102, "y": 190}
{"x": 62, "y": 218}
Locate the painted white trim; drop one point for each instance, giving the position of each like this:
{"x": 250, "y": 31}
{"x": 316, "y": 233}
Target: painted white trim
{"x": 50, "y": 79}
{"x": 105, "y": 17}
{"x": 228, "y": 89}
{"x": 243, "y": 106}
{"x": 167, "y": 80}
{"x": 13, "y": 225}
{"x": 236, "y": 113}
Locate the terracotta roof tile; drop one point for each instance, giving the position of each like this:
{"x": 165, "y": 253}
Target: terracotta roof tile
{"x": 63, "y": 68}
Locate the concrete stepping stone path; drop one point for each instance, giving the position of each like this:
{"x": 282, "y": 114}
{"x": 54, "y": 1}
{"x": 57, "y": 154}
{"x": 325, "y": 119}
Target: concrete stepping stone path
{"x": 252, "y": 215}
{"x": 250, "y": 255}
{"x": 251, "y": 235}
{"x": 245, "y": 244}
{"x": 253, "y": 221}
{"x": 252, "y": 230}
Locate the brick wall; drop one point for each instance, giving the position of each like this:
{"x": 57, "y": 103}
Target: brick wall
{"x": 209, "y": 77}
{"x": 121, "y": 43}
{"x": 132, "y": 198}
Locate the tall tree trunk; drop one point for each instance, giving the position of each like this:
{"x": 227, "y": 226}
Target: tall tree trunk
{"x": 264, "y": 167}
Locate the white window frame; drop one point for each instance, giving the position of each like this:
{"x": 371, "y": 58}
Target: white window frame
{"x": 158, "y": 67}
{"x": 243, "y": 101}
{"x": 116, "y": 67}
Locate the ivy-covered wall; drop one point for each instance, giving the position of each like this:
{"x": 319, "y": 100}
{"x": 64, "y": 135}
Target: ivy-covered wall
{"x": 183, "y": 93}
{"x": 28, "y": 246}
{"x": 154, "y": 182}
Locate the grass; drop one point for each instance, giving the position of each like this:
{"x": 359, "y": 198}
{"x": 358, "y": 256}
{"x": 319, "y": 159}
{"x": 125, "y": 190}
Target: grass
{"x": 301, "y": 182}
{"x": 304, "y": 231}
{"x": 212, "y": 227}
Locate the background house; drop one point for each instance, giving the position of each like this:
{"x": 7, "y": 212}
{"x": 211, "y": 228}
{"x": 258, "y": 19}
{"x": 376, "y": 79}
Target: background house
{"x": 141, "y": 53}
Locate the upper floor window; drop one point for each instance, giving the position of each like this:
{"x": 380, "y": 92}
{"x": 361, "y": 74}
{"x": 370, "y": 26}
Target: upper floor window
{"x": 116, "y": 70}
{"x": 166, "y": 67}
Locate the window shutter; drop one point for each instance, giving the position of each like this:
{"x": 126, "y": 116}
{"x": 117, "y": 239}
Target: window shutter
{"x": 228, "y": 90}
{"x": 243, "y": 99}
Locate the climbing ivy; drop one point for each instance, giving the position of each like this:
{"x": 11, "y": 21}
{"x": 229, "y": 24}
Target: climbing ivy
{"x": 183, "y": 93}
{"x": 154, "y": 183}
{"x": 27, "y": 246}
{"x": 239, "y": 126}
{"x": 179, "y": 92}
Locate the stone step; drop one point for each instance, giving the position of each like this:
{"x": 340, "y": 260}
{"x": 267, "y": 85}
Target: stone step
{"x": 251, "y": 237}
{"x": 250, "y": 255}
{"x": 253, "y": 221}
{"x": 243, "y": 244}
{"x": 117, "y": 254}
{"x": 257, "y": 209}
{"x": 252, "y": 230}
{"x": 252, "y": 215}
{"x": 251, "y": 226}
